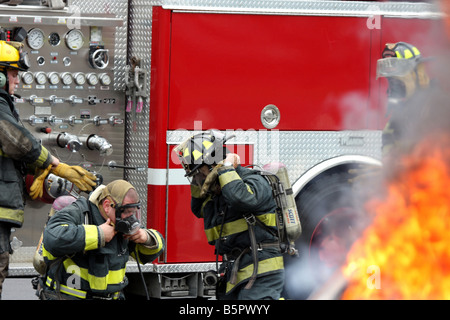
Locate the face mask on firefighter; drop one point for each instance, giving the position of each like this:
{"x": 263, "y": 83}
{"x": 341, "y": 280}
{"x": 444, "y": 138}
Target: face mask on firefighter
{"x": 402, "y": 88}
{"x": 199, "y": 175}
{"x": 128, "y": 218}
{"x": 397, "y": 88}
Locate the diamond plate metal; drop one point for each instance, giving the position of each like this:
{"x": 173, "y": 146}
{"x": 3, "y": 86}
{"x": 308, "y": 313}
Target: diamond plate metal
{"x": 21, "y": 262}
{"x": 171, "y": 268}
{"x": 299, "y": 150}
{"x": 136, "y": 141}
{"x": 319, "y": 7}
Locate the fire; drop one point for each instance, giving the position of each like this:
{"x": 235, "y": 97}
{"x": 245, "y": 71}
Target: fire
{"x": 405, "y": 252}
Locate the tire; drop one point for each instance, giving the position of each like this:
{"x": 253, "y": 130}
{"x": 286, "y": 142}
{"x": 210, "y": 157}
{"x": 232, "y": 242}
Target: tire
{"x": 330, "y": 218}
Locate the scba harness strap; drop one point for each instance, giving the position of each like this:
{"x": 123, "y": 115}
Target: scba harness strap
{"x": 252, "y": 222}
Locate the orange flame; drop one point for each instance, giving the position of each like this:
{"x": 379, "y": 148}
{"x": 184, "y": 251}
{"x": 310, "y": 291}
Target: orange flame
{"x": 405, "y": 253}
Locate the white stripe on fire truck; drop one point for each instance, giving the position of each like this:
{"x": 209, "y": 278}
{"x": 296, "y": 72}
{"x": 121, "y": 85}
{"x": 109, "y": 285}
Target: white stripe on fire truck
{"x": 162, "y": 177}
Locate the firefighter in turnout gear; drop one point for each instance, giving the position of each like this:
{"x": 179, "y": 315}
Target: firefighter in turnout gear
{"x": 87, "y": 245}
{"x": 238, "y": 210}
{"x": 22, "y": 153}
{"x": 404, "y": 67}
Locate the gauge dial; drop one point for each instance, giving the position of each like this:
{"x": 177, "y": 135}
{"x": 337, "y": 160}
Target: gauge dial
{"x": 54, "y": 39}
{"x": 27, "y": 77}
{"x": 66, "y": 78}
{"x": 92, "y": 79}
{"x": 74, "y": 39}
{"x": 40, "y": 77}
{"x": 105, "y": 79}
{"x": 35, "y": 38}
{"x": 80, "y": 78}
{"x": 53, "y": 78}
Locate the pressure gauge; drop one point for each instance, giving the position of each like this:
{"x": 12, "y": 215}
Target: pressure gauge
{"x": 35, "y": 38}
{"x": 40, "y": 77}
{"x": 74, "y": 39}
{"x": 79, "y": 78}
{"x": 27, "y": 77}
{"x": 105, "y": 79}
{"x": 53, "y": 78}
{"x": 92, "y": 79}
{"x": 54, "y": 39}
{"x": 66, "y": 78}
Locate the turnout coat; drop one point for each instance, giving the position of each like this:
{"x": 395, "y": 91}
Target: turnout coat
{"x": 244, "y": 194}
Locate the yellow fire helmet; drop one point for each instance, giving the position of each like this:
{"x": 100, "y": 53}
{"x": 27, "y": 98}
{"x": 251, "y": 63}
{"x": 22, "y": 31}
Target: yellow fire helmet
{"x": 12, "y": 56}
{"x": 202, "y": 148}
{"x": 398, "y": 59}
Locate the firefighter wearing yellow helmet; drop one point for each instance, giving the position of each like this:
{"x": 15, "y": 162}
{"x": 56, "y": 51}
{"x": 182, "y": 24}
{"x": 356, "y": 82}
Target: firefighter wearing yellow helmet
{"x": 404, "y": 67}
{"x": 238, "y": 211}
{"x": 21, "y": 152}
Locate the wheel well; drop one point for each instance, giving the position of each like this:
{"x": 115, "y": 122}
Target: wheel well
{"x": 332, "y": 216}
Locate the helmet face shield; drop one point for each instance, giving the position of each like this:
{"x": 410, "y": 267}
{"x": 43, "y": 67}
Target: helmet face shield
{"x": 394, "y": 67}
{"x": 183, "y": 153}
{"x": 24, "y": 62}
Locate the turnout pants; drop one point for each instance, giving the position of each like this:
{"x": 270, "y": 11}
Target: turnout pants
{"x": 5, "y": 249}
{"x": 267, "y": 287}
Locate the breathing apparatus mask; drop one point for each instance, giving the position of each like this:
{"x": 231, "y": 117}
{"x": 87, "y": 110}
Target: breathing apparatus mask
{"x": 128, "y": 215}
{"x": 402, "y": 76}
{"x": 128, "y": 218}
{"x": 403, "y": 66}
{"x": 197, "y": 178}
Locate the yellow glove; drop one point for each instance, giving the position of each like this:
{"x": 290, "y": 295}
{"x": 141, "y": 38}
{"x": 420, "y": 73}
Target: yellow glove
{"x": 209, "y": 184}
{"x": 82, "y": 178}
{"x": 37, "y": 187}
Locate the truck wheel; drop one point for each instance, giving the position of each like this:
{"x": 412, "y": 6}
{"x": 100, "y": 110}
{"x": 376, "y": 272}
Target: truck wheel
{"x": 332, "y": 219}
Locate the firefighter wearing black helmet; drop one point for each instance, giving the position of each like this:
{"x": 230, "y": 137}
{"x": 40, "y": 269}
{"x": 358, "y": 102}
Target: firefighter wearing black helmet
{"x": 404, "y": 67}
{"x": 238, "y": 210}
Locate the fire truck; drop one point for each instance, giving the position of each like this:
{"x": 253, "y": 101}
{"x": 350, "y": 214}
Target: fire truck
{"x": 115, "y": 85}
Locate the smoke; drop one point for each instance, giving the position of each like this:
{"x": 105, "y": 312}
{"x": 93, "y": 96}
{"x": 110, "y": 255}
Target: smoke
{"x": 303, "y": 275}
{"x": 357, "y": 113}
